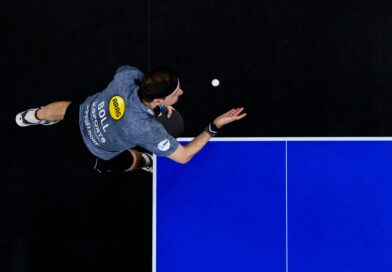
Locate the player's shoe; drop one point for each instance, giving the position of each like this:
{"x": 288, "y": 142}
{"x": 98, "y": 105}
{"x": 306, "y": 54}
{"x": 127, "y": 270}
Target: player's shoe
{"x": 28, "y": 118}
{"x": 148, "y": 167}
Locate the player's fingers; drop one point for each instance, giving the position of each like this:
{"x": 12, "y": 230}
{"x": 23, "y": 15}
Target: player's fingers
{"x": 169, "y": 111}
{"x": 238, "y": 111}
{"x": 242, "y": 115}
{"x": 230, "y": 111}
{"x": 234, "y": 111}
{"x": 238, "y": 117}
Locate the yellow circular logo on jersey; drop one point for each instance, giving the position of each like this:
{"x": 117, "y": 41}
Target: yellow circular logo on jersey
{"x": 116, "y": 107}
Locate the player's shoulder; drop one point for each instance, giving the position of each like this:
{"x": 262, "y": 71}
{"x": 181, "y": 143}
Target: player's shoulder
{"x": 128, "y": 68}
{"x": 126, "y": 76}
{"x": 156, "y": 139}
{"x": 149, "y": 127}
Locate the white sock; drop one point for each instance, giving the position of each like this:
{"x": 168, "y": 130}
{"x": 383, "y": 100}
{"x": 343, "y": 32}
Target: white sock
{"x": 147, "y": 160}
{"x": 30, "y": 116}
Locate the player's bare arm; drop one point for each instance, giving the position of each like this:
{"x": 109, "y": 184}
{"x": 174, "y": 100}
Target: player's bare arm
{"x": 184, "y": 154}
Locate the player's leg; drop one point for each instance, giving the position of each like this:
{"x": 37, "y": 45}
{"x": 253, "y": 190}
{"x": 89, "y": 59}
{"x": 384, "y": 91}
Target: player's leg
{"x": 54, "y": 111}
{"x": 141, "y": 160}
{"x": 46, "y": 115}
{"x": 129, "y": 160}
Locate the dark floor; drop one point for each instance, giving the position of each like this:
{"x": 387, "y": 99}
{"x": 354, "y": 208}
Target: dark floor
{"x": 302, "y": 68}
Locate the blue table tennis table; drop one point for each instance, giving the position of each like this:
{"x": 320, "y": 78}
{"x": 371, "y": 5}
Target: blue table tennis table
{"x": 275, "y": 204}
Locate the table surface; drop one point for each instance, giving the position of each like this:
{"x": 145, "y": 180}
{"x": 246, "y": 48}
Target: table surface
{"x": 281, "y": 204}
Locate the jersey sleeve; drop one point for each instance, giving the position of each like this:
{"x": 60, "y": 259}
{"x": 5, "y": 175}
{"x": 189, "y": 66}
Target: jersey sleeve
{"x": 159, "y": 142}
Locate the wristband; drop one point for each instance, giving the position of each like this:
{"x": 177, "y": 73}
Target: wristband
{"x": 211, "y": 129}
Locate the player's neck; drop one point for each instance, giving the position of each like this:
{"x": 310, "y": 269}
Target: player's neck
{"x": 150, "y": 105}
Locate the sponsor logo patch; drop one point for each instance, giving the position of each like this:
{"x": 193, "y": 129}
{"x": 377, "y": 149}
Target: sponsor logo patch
{"x": 116, "y": 107}
{"x": 164, "y": 145}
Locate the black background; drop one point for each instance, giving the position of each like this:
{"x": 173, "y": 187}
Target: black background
{"x": 300, "y": 68}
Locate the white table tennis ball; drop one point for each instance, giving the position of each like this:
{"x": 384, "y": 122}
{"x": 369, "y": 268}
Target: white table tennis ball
{"x": 215, "y": 82}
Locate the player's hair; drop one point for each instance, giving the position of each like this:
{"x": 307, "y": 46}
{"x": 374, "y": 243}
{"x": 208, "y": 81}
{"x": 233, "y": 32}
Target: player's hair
{"x": 158, "y": 83}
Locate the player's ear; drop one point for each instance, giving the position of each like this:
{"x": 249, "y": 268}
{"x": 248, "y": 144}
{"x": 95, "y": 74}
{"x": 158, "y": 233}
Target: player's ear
{"x": 157, "y": 102}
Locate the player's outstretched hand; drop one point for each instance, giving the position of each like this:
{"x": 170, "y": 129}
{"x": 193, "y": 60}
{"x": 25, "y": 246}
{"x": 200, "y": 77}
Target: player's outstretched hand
{"x": 228, "y": 117}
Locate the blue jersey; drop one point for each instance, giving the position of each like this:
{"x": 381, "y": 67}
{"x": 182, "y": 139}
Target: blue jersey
{"x": 115, "y": 120}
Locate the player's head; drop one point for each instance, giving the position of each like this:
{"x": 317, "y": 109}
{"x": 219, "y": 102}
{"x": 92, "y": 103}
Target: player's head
{"x": 160, "y": 84}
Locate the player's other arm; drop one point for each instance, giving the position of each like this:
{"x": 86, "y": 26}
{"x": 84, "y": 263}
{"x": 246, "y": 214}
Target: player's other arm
{"x": 184, "y": 154}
